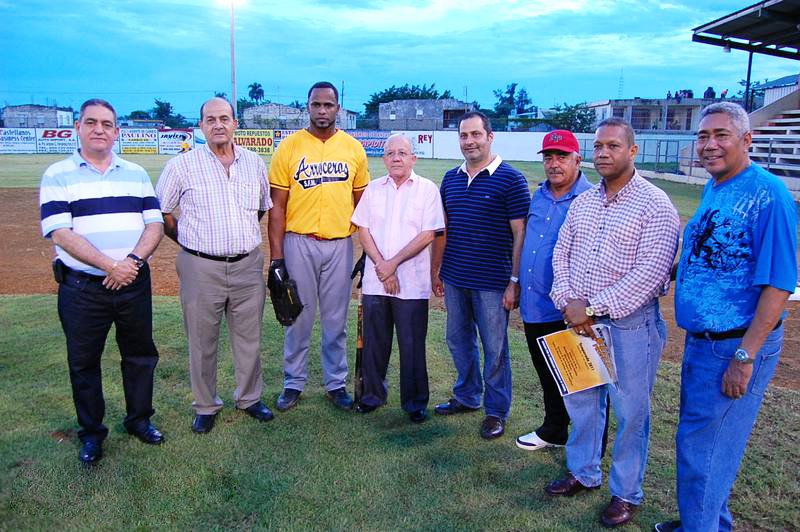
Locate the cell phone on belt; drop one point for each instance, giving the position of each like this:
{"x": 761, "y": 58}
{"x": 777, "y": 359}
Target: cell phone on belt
{"x": 59, "y": 271}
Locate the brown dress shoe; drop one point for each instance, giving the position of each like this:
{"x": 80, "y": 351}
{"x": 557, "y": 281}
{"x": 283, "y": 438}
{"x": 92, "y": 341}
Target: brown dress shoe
{"x": 618, "y": 512}
{"x": 567, "y": 486}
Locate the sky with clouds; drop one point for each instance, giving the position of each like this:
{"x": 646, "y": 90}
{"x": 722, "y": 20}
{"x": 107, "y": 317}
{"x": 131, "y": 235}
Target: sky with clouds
{"x": 131, "y": 52}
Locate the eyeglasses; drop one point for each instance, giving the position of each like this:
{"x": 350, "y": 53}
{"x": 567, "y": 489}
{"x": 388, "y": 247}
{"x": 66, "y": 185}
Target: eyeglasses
{"x": 402, "y": 154}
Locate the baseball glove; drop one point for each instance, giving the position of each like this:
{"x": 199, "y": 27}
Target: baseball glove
{"x": 283, "y": 292}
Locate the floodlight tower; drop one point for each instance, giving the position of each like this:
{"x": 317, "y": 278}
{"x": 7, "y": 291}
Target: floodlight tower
{"x": 233, "y": 64}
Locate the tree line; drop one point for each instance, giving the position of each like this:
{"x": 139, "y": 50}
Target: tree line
{"x": 514, "y": 101}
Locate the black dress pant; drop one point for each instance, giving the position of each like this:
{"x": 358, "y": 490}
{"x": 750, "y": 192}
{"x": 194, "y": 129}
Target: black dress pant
{"x": 86, "y": 310}
{"x": 410, "y": 317}
{"x": 555, "y": 428}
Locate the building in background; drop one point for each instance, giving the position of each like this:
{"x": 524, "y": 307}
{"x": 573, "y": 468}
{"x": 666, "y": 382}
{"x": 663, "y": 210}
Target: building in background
{"x": 34, "y": 115}
{"x": 778, "y": 88}
{"x": 279, "y": 116}
{"x": 679, "y": 114}
{"x": 419, "y": 115}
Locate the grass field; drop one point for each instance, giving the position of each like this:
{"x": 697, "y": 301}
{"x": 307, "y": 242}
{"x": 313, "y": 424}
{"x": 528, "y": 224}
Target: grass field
{"x": 26, "y": 171}
{"x": 315, "y": 467}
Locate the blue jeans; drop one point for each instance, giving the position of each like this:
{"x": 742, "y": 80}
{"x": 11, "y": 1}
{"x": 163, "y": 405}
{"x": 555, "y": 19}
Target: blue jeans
{"x": 713, "y": 429}
{"x": 469, "y": 313}
{"x": 638, "y": 340}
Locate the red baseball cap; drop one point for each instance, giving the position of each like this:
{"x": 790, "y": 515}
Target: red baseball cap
{"x": 561, "y": 140}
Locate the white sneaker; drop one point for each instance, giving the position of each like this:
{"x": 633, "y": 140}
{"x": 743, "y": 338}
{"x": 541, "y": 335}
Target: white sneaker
{"x": 532, "y": 442}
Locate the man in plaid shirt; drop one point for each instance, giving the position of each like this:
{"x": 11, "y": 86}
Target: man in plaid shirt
{"x": 221, "y": 192}
{"x": 611, "y": 263}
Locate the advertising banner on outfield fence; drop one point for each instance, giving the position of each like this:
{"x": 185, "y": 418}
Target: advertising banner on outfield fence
{"x": 281, "y": 134}
{"x": 199, "y": 138}
{"x": 372, "y": 141}
{"x": 423, "y": 142}
{"x": 56, "y": 140}
{"x": 17, "y": 140}
{"x": 257, "y": 140}
{"x": 134, "y": 140}
{"x": 174, "y": 141}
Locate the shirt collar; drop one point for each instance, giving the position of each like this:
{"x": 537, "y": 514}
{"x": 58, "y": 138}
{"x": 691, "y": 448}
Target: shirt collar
{"x": 624, "y": 191}
{"x": 580, "y": 184}
{"x": 491, "y": 167}
{"x": 80, "y": 161}
{"x": 387, "y": 179}
{"x": 237, "y": 151}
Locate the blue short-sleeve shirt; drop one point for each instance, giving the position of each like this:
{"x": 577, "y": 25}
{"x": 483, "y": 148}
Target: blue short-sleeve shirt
{"x": 742, "y": 237}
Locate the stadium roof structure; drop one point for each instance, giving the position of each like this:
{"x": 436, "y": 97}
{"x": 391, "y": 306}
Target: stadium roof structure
{"x": 770, "y": 27}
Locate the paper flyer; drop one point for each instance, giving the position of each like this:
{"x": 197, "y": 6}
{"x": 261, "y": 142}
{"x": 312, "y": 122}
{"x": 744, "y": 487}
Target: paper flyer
{"x": 579, "y": 362}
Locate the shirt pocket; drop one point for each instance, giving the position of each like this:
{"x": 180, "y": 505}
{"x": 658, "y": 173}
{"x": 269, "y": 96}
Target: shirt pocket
{"x": 248, "y": 195}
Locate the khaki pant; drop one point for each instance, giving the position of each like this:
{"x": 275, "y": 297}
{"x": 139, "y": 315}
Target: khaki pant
{"x": 210, "y": 289}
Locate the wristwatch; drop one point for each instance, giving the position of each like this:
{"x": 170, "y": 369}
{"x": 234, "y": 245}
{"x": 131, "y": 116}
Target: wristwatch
{"x": 589, "y": 310}
{"x": 136, "y": 259}
{"x": 514, "y": 279}
{"x": 742, "y": 356}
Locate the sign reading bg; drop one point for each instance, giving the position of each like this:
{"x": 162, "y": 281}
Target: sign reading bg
{"x": 17, "y": 140}
{"x": 138, "y": 141}
{"x": 56, "y": 140}
{"x": 257, "y": 140}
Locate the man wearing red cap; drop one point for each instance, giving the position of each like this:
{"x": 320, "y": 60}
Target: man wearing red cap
{"x": 549, "y": 205}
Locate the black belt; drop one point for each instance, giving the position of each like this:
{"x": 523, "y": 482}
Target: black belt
{"x": 726, "y": 335}
{"x": 69, "y": 272}
{"x": 234, "y": 258}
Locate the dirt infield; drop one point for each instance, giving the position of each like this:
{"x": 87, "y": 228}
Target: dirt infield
{"x": 25, "y": 269}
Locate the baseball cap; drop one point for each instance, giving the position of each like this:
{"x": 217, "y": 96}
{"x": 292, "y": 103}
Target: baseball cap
{"x": 561, "y": 140}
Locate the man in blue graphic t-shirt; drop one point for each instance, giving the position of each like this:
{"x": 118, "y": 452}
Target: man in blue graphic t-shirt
{"x": 476, "y": 267}
{"x": 737, "y": 268}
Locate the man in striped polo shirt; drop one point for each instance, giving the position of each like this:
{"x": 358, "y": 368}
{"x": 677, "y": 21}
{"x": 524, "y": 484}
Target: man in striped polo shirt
{"x": 222, "y": 193}
{"x": 475, "y": 266}
{"x": 103, "y": 217}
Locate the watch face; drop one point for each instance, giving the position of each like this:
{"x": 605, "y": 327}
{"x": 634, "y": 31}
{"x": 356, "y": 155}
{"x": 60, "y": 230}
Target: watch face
{"x": 741, "y": 355}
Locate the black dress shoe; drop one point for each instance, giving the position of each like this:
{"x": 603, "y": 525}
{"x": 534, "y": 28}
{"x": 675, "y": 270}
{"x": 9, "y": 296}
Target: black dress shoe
{"x": 567, "y": 486}
{"x": 618, "y": 512}
{"x": 418, "y": 416}
{"x": 340, "y": 398}
{"x": 203, "y": 423}
{"x": 492, "y": 427}
{"x": 287, "y": 399}
{"x": 259, "y": 411}
{"x": 453, "y": 406}
{"x": 362, "y": 408}
{"x": 149, "y": 435}
{"x": 91, "y": 452}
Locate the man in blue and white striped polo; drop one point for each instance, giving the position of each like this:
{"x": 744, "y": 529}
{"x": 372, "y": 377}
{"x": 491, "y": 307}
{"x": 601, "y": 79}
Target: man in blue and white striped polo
{"x": 475, "y": 266}
{"x": 103, "y": 217}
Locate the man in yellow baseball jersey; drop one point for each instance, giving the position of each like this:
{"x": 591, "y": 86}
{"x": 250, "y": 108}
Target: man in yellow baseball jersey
{"x": 317, "y": 176}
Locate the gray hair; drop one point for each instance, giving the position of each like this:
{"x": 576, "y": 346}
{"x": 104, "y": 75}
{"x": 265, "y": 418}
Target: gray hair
{"x": 736, "y": 113}
{"x": 400, "y": 136}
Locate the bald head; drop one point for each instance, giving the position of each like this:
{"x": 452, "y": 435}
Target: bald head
{"x": 215, "y": 99}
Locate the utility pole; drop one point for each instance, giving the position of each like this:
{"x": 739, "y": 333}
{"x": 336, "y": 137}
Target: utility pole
{"x": 233, "y": 67}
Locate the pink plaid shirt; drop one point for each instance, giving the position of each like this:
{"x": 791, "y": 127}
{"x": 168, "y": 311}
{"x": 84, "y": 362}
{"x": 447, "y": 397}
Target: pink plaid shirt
{"x": 218, "y": 213}
{"x": 616, "y": 252}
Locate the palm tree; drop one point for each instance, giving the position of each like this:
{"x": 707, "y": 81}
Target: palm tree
{"x": 256, "y": 91}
